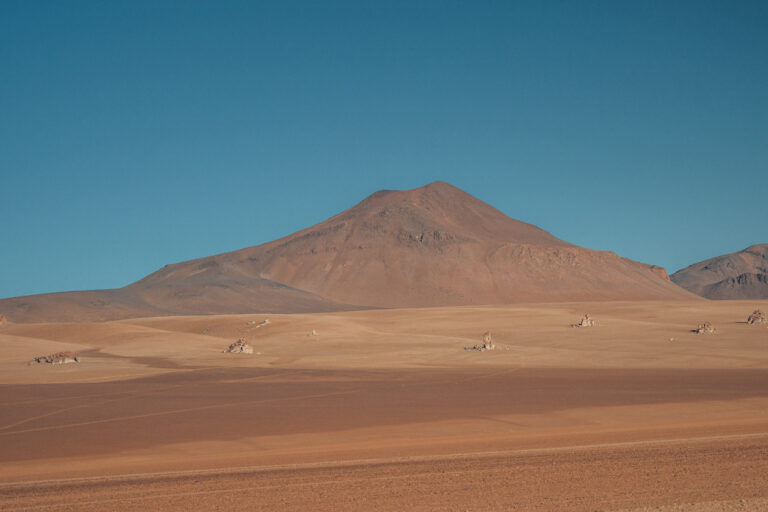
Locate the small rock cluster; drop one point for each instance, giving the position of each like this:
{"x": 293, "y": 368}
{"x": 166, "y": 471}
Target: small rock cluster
{"x": 239, "y": 347}
{"x": 261, "y": 324}
{"x": 586, "y": 321}
{"x": 757, "y": 317}
{"x": 487, "y": 343}
{"x": 57, "y": 358}
{"x": 705, "y": 328}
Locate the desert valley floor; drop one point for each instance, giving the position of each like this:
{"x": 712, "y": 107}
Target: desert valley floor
{"x": 385, "y": 409}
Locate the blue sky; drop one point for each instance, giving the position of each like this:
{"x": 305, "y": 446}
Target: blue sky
{"x": 136, "y": 134}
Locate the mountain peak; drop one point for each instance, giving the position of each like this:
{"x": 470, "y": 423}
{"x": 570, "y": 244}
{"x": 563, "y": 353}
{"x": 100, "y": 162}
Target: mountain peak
{"x": 435, "y": 188}
{"x": 440, "y": 185}
{"x": 435, "y": 207}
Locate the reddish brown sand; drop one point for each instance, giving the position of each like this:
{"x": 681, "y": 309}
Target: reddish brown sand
{"x": 384, "y": 410}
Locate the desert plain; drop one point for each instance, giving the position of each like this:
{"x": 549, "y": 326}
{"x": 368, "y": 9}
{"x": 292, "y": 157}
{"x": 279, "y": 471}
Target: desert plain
{"x": 386, "y": 409}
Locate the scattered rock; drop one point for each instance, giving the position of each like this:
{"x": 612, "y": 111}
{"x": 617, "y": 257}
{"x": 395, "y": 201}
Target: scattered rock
{"x": 57, "y": 358}
{"x": 313, "y": 333}
{"x": 487, "y": 343}
{"x": 239, "y": 347}
{"x": 3, "y": 321}
{"x": 260, "y": 324}
{"x": 757, "y": 317}
{"x": 705, "y": 328}
{"x": 586, "y": 321}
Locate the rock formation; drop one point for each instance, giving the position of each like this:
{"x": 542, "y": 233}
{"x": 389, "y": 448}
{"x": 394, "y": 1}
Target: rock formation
{"x": 586, "y": 321}
{"x": 239, "y": 347}
{"x": 487, "y": 343}
{"x": 757, "y": 317}
{"x": 705, "y": 328}
{"x": 57, "y": 358}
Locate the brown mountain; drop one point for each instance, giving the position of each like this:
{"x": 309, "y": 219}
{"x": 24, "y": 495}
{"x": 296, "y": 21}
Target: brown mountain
{"x": 739, "y": 275}
{"x": 430, "y": 246}
{"x": 188, "y": 297}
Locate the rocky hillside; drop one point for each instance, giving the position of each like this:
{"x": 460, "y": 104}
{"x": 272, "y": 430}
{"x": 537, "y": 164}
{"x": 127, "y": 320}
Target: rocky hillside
{"x": 739, "y": 275}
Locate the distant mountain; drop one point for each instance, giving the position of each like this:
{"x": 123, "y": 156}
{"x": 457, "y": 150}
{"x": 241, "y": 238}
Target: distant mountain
{"x": 739, "y": 275}
{"x": 431, "y": 246}
{"x": 189, "y": 297}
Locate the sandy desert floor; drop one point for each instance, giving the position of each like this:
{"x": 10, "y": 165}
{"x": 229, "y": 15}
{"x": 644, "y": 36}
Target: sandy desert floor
{"x": 385, "y": 410}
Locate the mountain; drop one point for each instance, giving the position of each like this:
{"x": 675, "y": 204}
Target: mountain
{"x": 431, "y": 246}
{"x": 739, "y": 275}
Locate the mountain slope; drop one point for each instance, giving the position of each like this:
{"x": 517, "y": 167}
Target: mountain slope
{"x": 189, "y": 297}
{"x": 430, "y": 246}
{"x": 739, "y": 275}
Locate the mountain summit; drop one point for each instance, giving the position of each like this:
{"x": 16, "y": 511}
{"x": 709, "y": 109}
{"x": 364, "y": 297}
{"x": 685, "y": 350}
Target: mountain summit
{"x": 431, "y": 246}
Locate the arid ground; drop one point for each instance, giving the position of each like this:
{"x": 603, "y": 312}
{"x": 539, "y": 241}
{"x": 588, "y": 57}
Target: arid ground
{"x": 386, "y": 410}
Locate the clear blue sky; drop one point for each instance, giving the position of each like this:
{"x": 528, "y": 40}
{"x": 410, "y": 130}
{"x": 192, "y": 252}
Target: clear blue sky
{"x": 135, "y": 134}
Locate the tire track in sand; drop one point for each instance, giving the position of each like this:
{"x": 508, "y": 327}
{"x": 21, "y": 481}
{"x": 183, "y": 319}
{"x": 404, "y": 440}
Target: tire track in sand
{"x": 178, "y": 411}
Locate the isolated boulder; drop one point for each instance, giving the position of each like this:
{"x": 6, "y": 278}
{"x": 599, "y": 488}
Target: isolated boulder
{"x": 757, "y": 317}
{"x": 239, "y": 347}
{"x": 705, "y": 328}
{"x": 57, "y": 358}
{"x": 586, "y": 321}
{"x": 487, "y": 343}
